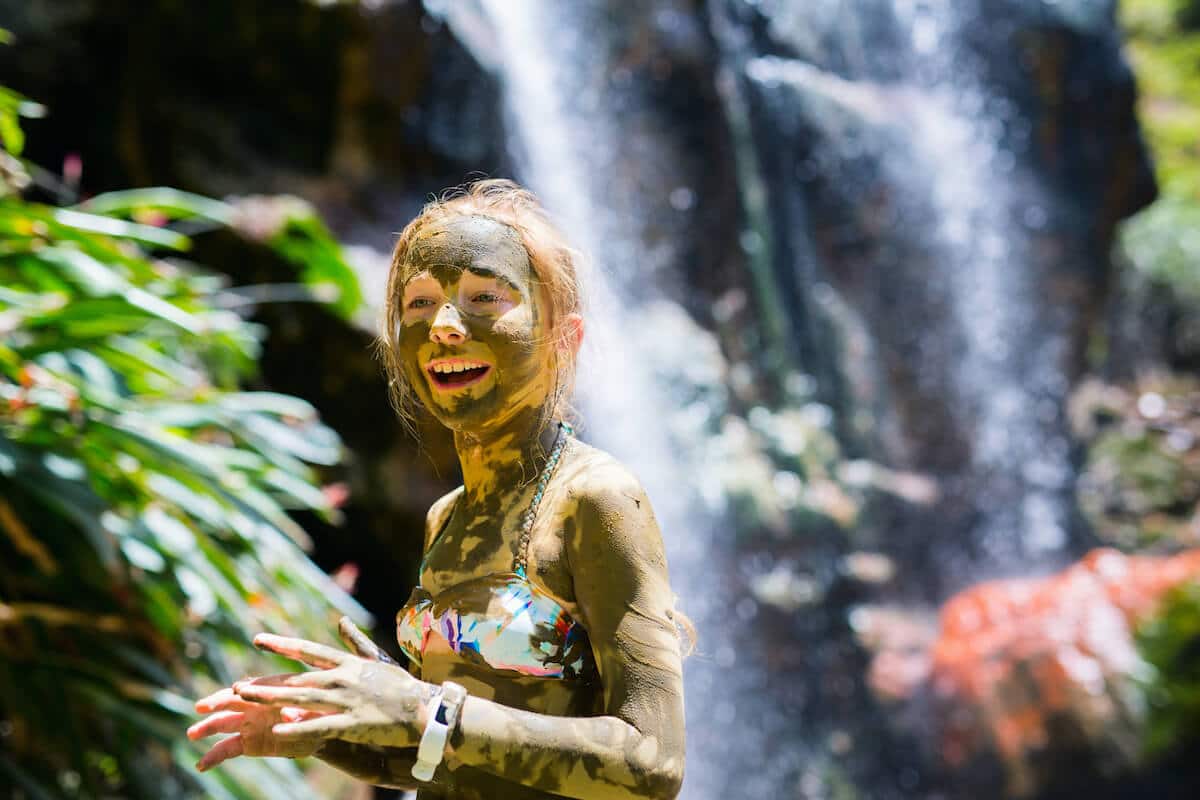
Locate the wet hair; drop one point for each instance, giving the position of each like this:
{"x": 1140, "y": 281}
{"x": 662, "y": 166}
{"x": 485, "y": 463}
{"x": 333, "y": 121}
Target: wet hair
{"x": 554, "y": 264}
{"x": 552, "y": 259}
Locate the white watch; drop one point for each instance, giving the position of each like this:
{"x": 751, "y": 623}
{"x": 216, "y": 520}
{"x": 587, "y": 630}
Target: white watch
{"x": 441, "y": 718}
{"x": 433, "y": 740}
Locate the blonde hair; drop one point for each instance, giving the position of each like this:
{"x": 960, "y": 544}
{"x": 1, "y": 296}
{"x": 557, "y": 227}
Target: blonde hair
{"x": 554, "y": 266}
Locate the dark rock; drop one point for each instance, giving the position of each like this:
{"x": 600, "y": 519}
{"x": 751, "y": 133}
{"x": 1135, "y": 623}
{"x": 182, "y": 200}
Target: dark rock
{"x": 873, "y": 141}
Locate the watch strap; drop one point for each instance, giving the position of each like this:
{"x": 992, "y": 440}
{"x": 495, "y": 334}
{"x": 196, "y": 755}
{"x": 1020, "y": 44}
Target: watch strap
{"x": 433, "y": 741}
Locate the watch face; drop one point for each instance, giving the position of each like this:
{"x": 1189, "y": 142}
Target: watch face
{"x": 453, "y": 697}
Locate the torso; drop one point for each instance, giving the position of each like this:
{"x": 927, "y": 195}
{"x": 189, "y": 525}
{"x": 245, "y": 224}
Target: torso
{"x": 473, "y": 547}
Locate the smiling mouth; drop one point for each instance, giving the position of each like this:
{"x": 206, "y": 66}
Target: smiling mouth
{"x": 456, "y": 375}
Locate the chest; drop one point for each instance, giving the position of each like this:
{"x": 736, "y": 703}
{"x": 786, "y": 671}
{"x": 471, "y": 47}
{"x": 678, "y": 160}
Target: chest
{"x": 475, "y": 545}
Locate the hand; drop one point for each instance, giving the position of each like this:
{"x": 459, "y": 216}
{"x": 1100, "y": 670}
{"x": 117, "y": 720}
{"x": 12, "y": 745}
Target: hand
{"x": 358, "y": 642}
{"x": 251, "y": 723}
{"x": 353, "y": 698}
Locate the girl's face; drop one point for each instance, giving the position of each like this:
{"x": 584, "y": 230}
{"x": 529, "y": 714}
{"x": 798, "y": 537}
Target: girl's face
{"x": 472, "y": 335}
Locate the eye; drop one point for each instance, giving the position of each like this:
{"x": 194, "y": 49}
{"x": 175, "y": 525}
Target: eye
{"x": 419, "y": 302}
{"x": 485, "y": 297}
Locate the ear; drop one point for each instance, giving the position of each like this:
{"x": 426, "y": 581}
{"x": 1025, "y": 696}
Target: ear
{"x": 572, "y": 333}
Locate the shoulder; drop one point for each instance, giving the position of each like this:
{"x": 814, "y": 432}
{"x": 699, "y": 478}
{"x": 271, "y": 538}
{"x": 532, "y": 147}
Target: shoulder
{"x": 439, "y": 513}
{"x": 599, "y": 483}
{"x": 619, "y": 566}
{"x": 609, "y": 508}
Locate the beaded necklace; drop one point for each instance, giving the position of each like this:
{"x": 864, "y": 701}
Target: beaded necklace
{"x": 565, "y": 431}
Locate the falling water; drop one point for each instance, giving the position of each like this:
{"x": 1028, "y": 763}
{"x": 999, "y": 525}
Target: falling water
{"x": 1009, "y": 382}
{"x": 568, "y": 107}
{"x": 563, "y": 111}
{"x": 996, "y": 349}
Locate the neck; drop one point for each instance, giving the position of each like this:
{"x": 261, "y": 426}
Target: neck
{"x": 503, "y": 459}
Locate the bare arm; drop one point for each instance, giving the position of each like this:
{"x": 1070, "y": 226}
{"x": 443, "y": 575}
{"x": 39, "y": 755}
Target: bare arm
{"x": 637, "y": 749}
{"x": 391, "y": 767}
{"x": 380, "y": 766}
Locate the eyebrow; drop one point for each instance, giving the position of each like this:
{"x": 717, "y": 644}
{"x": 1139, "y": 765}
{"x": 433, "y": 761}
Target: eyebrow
{"x": 482, "y": 272}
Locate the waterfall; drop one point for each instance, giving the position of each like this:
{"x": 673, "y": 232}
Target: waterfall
{"x": 905, "y": 113}
{"x": 1009, "y": 377}
{"x": 898, "y": 239}
{"x": 564, "y": 113}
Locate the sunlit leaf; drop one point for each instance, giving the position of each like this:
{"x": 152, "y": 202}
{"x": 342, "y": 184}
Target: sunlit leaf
{"x": 146, "y": 234}
{"x": 268, "y": 403}
{"x": 174, "y": 203}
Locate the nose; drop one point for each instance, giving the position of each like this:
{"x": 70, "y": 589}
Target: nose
{"x": 448, "y": 327}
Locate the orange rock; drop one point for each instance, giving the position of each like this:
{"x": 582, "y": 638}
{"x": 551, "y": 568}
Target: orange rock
{"x": 1016, "y": 661}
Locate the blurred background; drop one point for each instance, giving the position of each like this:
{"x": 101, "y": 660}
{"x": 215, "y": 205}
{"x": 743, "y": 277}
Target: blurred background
{"x": 893, "y": 305}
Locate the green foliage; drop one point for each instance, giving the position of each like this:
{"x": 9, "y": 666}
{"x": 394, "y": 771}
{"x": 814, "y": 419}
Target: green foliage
{"x": 288, "y": 225}
{"x": 1164, "y": 45}
{"x": 144, "y": 533}
{"x": 1170, "y": 643}
{"x": 12, "y": 107}
{"x": 1140, "y": 483}
{"x": 1163, "y": 243}
{"x": 304, "y": 240}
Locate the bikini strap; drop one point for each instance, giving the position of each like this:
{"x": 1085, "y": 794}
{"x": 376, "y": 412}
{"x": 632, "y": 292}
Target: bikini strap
{"x": 521, "y": 557}
{"x": 560, "y": 442}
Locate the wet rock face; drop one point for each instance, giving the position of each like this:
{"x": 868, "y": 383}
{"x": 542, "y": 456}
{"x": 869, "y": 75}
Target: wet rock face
{"x": 950, "y": 175}
{"x": 184, "y": 95}
{"x": 364, "y": 112}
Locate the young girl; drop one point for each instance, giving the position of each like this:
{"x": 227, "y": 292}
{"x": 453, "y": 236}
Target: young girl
{"x": 543, "y": 648}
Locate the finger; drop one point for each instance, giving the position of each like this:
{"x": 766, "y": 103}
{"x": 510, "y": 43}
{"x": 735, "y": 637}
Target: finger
{"x": 314, "y": 678}
{"x": 359, "y": 643}
{"x": 354, "y": 639}
{"x": 221, "y": 751}
{"x": 311, "y": 653}
{"x": 326, "y": 727}
{"x": 291, "y": 714}
{"x": 224, "y": 700}
{"x": 306, "y": 697}
{"x": 221, "y": 722}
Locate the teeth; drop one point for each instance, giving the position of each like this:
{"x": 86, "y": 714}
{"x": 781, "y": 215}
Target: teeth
{"x": 456, "y": 366}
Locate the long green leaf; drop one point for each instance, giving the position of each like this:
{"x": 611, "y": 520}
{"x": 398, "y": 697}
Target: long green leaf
{"x": 172, "y": 202}
{"x": 146, "y": 234}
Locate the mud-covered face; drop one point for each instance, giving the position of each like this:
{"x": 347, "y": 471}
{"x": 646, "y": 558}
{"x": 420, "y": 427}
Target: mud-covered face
{"x": 472, "y": 333}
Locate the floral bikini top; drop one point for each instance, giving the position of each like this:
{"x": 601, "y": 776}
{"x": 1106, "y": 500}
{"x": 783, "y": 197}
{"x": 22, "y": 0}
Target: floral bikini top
{"x": 502, "y": 620}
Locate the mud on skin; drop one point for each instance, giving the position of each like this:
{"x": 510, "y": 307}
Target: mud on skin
{"x": 601, "y": 519}
{"x": 470, "y": 280}
{"x": 595, "y": 546}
